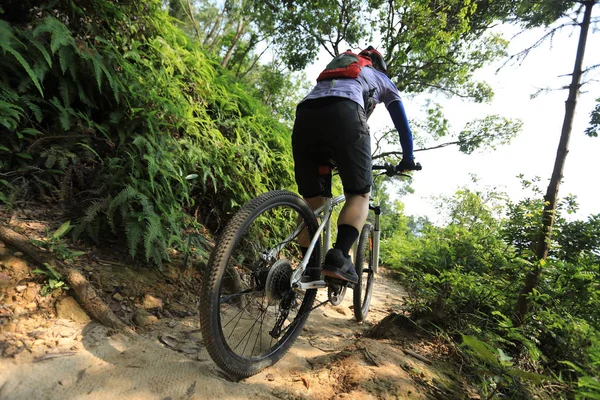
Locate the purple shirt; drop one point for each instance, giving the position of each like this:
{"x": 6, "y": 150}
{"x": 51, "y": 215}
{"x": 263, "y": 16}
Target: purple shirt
{"x": 353, "y": 89}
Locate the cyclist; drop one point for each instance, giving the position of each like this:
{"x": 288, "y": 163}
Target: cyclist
{"x": 333, "y": 117}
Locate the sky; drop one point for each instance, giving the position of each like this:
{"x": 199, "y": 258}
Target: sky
{"x": 533, "y": 151}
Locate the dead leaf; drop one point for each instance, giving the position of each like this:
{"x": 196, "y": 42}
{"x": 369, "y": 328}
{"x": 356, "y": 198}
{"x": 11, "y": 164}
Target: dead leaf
{"x": 305, "y": 381}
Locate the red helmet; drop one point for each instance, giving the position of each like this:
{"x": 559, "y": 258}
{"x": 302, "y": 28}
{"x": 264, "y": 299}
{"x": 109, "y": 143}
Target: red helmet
{"x": 376, "y": 58}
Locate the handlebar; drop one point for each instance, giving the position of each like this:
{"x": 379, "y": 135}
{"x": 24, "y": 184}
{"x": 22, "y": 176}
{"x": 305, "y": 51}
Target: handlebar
{"x": 392, "y": 170}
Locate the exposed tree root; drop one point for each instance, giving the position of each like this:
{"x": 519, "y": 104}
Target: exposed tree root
{"x": 85, "y": 294}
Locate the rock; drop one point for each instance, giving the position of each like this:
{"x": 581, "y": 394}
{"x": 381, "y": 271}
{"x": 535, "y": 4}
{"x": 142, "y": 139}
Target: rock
{"x": 30, "y": 294}
{"x": 18, "y": 254}
{"x": 4, "y": 281}
{"x": 20, "y": 288}
{"x": 118, "y": 297}
{"x": 11, "y": 327}
{"x": 4, "y": 252}
{"x": 142, "y": 318}
{"x": 149, "y": 302}
{"x": 68, "y": 308}
{"x": 88, "y": 268}
{"x": 19, "y": 267}
{"x": 19, "y": 311}
{"x": 31, "y": 306}
{"x": 76, "y": 346}
{"x": 63, "y": 342}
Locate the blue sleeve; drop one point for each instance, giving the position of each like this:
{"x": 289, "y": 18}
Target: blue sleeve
{"x": 396, "y": 110}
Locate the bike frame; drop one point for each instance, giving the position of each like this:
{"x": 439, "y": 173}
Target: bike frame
{"x": 323, "y": 214}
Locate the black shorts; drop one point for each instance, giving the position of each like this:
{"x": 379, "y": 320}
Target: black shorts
{"x": 340, "y": 126}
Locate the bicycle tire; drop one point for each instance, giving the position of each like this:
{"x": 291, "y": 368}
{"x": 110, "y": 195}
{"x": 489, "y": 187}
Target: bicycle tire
{"x": 363, "y": 290}
{"x": 216, "y": 305}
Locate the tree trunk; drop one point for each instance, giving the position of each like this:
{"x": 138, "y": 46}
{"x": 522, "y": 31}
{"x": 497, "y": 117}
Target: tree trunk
{"x": 191, "y": 17}
{"x": 85, "y": 294}
{"x": 544, "y": 238}
{"x": 241, "y": 29}
{"x": 213, "y": 31}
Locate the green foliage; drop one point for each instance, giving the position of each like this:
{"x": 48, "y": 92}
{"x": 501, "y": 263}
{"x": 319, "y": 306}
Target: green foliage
{"x": 496, "y": 368}
{"x": 300, "y": 29}
{"x": 434, "y": 46}
{"x": 542, "y": 13}
{"x": 487, "y": 133}
{"x": 106, "y": 107}
{"x": 55, "y": 244}
{"x": 465, "y": 277}
{"x": 55, "y": 280}
{"x": 588, "y": 384}
{"x": 594, "y": 127}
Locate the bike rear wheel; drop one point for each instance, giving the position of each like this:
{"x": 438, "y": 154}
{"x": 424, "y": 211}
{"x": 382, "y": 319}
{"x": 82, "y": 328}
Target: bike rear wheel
{"x": 364, "y": 269}
{"x": 249, "y": 314}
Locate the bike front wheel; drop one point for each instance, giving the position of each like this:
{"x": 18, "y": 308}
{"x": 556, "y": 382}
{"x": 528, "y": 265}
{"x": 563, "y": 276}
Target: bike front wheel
{"x": 363, "y": 290}
{"x": 249, "y": 314}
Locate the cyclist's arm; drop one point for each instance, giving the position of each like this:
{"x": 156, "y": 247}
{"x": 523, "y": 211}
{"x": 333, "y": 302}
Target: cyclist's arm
{"x": 396, "y": 110}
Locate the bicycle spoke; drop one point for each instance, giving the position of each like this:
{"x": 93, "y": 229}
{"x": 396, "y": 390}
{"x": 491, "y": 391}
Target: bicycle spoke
{"x": 258, "y": 315}
{"x": 225, "y": 299}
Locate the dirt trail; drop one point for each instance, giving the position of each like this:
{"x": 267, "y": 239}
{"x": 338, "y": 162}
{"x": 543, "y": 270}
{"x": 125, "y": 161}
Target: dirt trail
{"x": 332, "y": 359}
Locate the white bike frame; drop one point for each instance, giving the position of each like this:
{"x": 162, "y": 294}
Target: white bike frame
{"x": 323, "y": 214}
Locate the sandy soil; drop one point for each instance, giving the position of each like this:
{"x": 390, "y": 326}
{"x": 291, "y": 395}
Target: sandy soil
{"x": 333, "y": 359}
{"x": 50, "y": 350}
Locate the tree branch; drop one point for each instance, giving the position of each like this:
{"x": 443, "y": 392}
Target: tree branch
{"x": 522, "y": 55}
{"x": 84, "y": 292}
{"x": 399, "y": 153}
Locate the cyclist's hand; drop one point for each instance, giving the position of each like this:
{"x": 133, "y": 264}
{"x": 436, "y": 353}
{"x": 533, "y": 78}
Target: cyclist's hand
{"x": 408, "y": 165}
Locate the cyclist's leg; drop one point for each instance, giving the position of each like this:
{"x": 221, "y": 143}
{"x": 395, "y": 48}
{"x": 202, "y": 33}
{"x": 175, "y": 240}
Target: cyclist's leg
{"x": 355, "y": 210}
{"x": 354, "y": 165}
{"x": 314, "y": 203}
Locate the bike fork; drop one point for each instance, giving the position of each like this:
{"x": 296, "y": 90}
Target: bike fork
{"x": 376, "y": 237}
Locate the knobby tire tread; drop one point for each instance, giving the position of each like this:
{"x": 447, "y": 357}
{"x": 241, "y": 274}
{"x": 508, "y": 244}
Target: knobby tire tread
{"x": 361, "y": 306}
{"x": 209, "y": 318}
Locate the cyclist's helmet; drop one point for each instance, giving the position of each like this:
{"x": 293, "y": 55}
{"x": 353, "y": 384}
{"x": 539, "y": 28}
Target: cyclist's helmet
{"x": 376, "y": 58}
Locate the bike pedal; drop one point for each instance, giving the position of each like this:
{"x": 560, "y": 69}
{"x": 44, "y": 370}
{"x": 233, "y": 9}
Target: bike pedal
{"x": 334, "y": 282}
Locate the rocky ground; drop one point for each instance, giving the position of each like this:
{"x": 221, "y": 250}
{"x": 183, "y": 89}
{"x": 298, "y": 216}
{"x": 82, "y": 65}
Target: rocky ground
{"x": 49, "y": 348}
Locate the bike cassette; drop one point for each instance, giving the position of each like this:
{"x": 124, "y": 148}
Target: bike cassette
{"x": 278, "y": 280}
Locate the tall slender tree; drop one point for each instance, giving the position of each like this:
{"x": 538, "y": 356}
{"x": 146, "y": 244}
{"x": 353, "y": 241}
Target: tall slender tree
{"x": 543, "y": 13}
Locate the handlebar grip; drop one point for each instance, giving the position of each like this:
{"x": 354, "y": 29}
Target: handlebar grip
{"x": 418, "y": 167}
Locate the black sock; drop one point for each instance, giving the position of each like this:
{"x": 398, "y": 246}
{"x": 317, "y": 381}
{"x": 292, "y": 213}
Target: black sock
{"x": 347, "y": 235}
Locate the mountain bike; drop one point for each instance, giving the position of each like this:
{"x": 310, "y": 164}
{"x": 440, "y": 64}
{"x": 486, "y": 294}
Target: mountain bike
{"x": 258, "y": 288}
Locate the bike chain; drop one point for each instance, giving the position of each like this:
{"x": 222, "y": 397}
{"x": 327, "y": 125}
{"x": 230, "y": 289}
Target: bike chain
{"x": 299, "y": 317}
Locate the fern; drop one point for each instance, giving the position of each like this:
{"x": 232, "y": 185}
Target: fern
{"x": 154, "y": 245}
{"x": 7, "y": 44}
{"x": 147, "y": 107}
{"x": 127, "y": 195}
{"x": 135, "y": 233}
{"x": 60, "y": 36}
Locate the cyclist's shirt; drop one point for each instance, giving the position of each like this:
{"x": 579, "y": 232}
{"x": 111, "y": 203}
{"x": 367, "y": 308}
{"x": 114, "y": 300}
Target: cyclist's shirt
{"x": 354, "y": 89}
